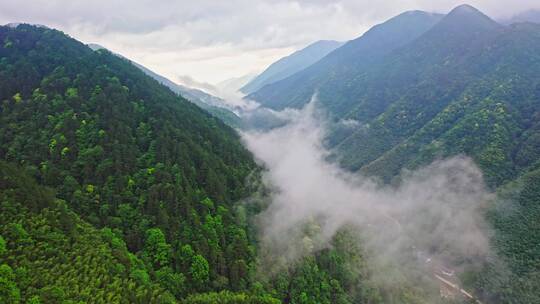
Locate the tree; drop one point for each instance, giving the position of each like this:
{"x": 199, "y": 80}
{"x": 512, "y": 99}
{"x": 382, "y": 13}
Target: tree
{"x": 199, "y": 271}
{"x": 3, "y": 247}
{"x": 156, "y": 248}
{"x": 173, "y": 282}
{"x": 9, "y": 293}
{"x": 52, "y": 294}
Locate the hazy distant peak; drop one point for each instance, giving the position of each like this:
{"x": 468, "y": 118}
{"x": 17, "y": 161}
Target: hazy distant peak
{"x": 466, "y": 19}
{"x": 291, "y": 64}
{"x": 415, "y": 14}
{"x": 325, "y": 42}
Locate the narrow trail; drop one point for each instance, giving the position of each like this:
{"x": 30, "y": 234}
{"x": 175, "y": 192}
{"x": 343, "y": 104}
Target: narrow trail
{"x": 447, "y": 285}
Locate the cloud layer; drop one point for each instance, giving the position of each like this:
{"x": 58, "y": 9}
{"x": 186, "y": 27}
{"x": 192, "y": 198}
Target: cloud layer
{"x": 214, "y": 40}
{"x": 436, "y": 212}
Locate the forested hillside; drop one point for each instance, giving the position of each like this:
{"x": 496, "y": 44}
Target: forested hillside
{"x": 211, "y": 104}
{"x": 476, "y": 96}
{"x": 126, "y": 155}
{"x": 51, "y": 255}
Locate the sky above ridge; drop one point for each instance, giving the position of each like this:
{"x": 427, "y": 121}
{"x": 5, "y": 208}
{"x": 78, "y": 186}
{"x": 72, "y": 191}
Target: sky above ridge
{"x": 212, "y": 40}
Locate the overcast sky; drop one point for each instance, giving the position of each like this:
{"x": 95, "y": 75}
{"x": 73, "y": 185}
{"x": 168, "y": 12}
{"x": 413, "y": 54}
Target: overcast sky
{"x": 211, "y": 41}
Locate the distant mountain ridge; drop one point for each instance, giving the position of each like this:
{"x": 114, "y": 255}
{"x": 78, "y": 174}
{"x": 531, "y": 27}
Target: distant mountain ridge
{"x": 291, "y": 64}
{"x": 337, "y": 68}
{"x": 234, "y": 84}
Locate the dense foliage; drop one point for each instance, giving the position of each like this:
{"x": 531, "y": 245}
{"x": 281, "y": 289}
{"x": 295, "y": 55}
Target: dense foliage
{"x": 516, "y": 219}
{"x": 49, "y": 255}
{"x": 117, "y": 190}
{"x": 126, "y": 154}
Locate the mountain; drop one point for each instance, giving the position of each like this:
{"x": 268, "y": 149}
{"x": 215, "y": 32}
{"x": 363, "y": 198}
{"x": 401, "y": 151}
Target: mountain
{"x": 335, "y": 71}
{"x": 464, "y": 85}
{"x": 291, "y": 64}
{"x": 113, "y": 187}
{"x": 212, "y": 104}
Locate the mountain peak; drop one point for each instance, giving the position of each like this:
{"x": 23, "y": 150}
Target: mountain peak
{"x": 468, "y": 19}
{"x": 466, "y": 12}
{"x": 466, "y": 8}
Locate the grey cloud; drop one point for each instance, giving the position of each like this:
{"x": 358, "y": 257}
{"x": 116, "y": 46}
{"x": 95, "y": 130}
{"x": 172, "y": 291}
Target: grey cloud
{"x": 153, "y": 30}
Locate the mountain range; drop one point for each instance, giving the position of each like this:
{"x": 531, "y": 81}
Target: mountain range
{"x": 407, "y": 83}
{"x": 421, "y": 87}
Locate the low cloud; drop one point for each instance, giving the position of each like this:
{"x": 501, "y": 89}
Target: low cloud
{"x": 435, "y": 215}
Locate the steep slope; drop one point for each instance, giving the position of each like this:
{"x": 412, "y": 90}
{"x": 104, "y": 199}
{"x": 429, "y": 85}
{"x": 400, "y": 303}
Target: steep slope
{"x": 212, "y": 104}
{"x": 515, "y": 219}
{"x": 291, "y": 64}
{"x": 127, "y": 153}
{"x": 333, "y": 76}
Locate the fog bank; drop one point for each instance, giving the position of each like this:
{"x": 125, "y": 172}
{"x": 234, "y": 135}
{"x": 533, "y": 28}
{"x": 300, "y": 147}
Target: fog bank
{"x": 436, "y": 213}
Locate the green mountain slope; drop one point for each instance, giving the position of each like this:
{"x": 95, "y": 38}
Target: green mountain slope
{"x": 465, "y": 85}
{"x": 211, "y": 104}
{"x": 126, "y": 153}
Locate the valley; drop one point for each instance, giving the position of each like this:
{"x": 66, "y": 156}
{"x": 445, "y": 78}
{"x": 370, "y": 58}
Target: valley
{"x": 400, "y": 166}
